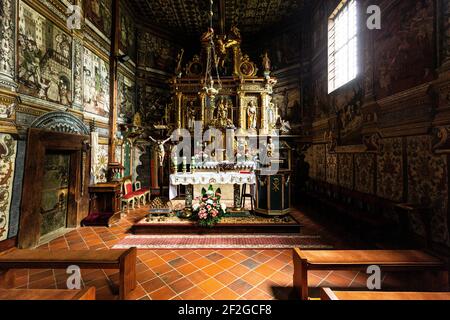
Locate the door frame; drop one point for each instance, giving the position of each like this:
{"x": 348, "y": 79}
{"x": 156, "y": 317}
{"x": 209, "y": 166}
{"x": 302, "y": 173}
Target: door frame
{"x": 39, "y": 143}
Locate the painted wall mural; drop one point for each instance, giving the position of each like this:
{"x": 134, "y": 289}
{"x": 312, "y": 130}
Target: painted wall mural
{"x": 127, "y": 97}
{"x": 152, "y": 102}
{"x": 7, "y": 31}
{"x": 99, "y": 12}
{"x": 405, "y": 40}
{"x": 96, "y": 85}
{"x": 8, "y": 150}
{"x": 390, "y": 169}
{"x": 156, "y": 53}
{"x": 45, "y": 58}
{"x": 127, "y": 34}
{"x": 427, "y": 185}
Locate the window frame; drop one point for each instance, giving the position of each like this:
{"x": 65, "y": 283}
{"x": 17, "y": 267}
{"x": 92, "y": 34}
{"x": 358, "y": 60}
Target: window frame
{"x": 353, "y": 60}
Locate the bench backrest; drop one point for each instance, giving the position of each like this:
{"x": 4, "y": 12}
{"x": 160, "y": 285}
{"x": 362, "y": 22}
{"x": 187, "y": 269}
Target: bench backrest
{"x": 56, "y": 259}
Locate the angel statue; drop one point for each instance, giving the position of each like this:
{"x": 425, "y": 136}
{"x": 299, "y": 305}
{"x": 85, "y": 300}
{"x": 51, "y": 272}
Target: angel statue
{"x": 160, "y": 149}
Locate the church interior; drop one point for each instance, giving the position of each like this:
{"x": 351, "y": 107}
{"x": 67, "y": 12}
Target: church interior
{"x": 224, "y": 149}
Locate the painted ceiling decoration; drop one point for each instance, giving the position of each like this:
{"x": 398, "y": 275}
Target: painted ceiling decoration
{"x": 190, "y": 17}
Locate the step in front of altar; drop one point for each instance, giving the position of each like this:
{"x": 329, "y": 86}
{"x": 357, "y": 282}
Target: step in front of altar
{"x": 228, "y": 225}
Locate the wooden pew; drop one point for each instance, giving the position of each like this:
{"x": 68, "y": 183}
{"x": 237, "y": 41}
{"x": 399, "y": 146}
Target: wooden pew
{"x": 387, "y": 260}
{"x": 330, "y": 295}
{"x": 44, "y": 294}
{"x": 124, "y": 260}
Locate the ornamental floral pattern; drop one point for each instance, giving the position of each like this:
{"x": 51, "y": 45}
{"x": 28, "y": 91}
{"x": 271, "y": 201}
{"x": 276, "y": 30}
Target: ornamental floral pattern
{"x": 427, "y": 185}
{"x": 7, "y": 30}
{"x": 321, "y": 162}
{"x": 364, "y": 173}
{"x": 8, "y": 150}
{"x": 345, "y": 163}
{"x": 390, "y": 170}
{"x": 332, "y": 168}
{"x": 101, "y": 169}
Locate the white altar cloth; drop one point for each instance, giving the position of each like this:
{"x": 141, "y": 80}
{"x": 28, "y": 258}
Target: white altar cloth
{"x": 212, "y": 178}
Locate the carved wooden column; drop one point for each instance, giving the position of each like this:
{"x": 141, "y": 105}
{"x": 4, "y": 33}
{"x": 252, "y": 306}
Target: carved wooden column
{"x": 113, "y": 62}
{"x": 265, "y": 100}
{"x": 242, "y": 111}
{"x": 179, "y": 107}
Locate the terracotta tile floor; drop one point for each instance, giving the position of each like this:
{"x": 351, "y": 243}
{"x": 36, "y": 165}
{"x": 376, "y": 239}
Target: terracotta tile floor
{"x": 195, "y": 274}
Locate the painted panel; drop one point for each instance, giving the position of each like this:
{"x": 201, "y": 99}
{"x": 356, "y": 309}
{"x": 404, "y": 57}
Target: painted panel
{"x": 345, "y": 169}
{"x": 99, "y": 12}
{"x": 365, "y": 173}
{"x": 45, "y": 58}
{"x": 405, "y": 40}
{"x": 332, "y": 168}
{"x": 127, "y": 97}
{"x": 96, "y": 85}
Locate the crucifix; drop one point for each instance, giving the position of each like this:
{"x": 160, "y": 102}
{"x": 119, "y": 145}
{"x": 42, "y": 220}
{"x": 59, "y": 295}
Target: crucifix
{"x": 159, "y": 146}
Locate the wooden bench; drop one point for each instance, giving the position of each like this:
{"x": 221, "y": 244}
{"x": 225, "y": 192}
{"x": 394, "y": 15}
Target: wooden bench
{"x": 44, "y": 294}
{"x": 124, "y": 260}
{"x": 387, "y": 260}
{"x": 330, "y": 295}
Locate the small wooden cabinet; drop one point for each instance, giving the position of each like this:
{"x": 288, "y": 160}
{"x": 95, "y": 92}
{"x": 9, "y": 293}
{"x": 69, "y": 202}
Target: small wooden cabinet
{"x": 104, "y": 208}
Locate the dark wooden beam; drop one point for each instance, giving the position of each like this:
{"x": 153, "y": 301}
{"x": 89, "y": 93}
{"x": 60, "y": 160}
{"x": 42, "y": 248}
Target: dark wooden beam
{"x": 113, "y": 63}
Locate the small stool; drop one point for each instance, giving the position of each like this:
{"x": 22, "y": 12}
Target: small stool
{"x": 245, "y": 195}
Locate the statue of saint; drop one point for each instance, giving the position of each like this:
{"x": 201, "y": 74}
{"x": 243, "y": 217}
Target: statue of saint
{"x": 252, "y": 115}
{"x": 266, "y": 62}
{"x": 160, "y": 149}
{"x": 191, "y": 115}
{"x": 270, "y": 148}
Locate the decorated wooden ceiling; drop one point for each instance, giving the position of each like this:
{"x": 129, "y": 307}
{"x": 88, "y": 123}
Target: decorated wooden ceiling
{"x": 190, "y": 17}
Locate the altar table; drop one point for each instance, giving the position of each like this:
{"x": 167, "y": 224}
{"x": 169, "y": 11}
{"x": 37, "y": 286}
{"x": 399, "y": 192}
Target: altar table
{"x": 237, "y": 179}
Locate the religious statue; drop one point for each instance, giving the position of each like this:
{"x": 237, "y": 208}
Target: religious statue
{"x": 270, "y": 148}
{"x": 191, "y": 115}
{"x": 160, "y": 149}
{"x": 252, "y": 115}
{"x": 266, "y": 63}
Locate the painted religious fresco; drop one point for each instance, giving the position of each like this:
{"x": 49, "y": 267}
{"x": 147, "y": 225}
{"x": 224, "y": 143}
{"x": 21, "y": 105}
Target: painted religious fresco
{"x": 405, "y": 40}
{"x": 152, "y": 103}
{"x": 349, "y": 115}
{"x": 283, "y": 49}
{"x": 96, "y": 85}
{"x": 55, "y": 192}
{"x": 99, "y": 12}
{"x": 127, "y": 97}
{"x": 156, "y": 53}
{"x": 288, "y": 102}
{"x": 8, "y": 151}
{"x": 127, "y": 34}
{"x": 45, "y": 58}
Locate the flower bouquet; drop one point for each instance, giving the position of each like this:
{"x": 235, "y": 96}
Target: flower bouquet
{"x": 208, "y": 211}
